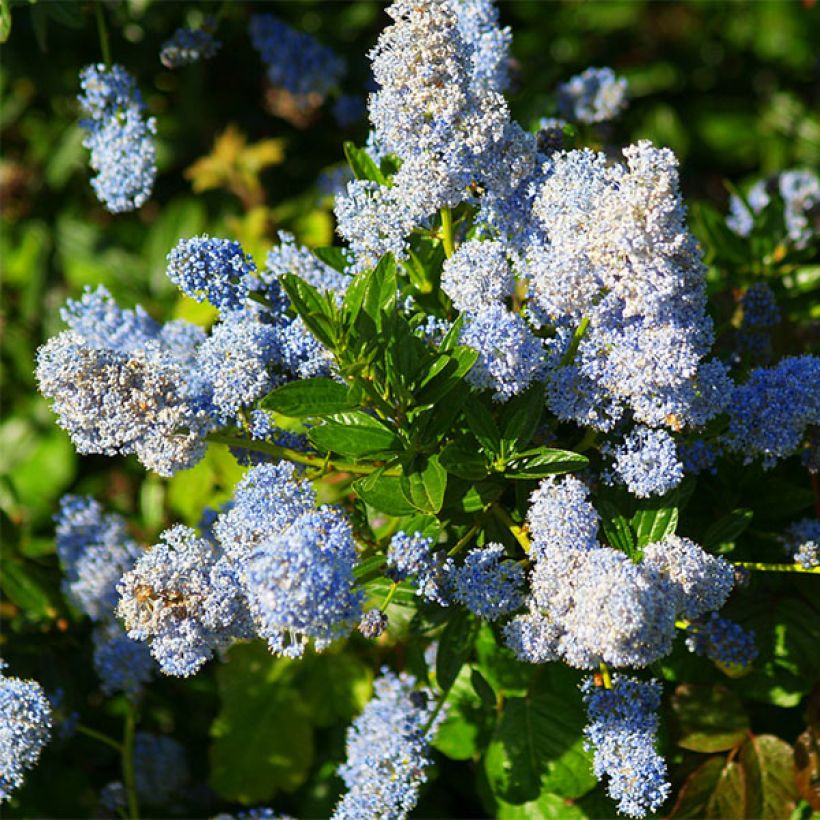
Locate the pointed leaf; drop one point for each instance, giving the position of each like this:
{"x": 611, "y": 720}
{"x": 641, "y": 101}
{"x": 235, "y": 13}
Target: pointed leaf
{"x": 362, "y": 165}
{"x": 424, "y": 485}
{"x": 543, "y": 462}
{"x": 454, "y": 647}
{"x": 309, "y": 397}
{"x": 354, "y": 434}
{"x": 384, "y": 493}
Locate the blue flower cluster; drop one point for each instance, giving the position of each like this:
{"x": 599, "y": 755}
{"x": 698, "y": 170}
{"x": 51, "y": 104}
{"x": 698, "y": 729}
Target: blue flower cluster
{"x": 487, "y": 585}
{"x": 295, "y": 61}
{"x": 561, "y": 517}
{"x": 412, "y": 557}
{"x": 189, "y": 45}
{"x": 759, "y": 314}
{"x": 387, "y": 751}
{"x": 647, "y": 462}
{"x": 622, "y": 730}
{"x": 160, "y": 768}
{"x": 120, "y": 138}
{"x": 25, "y": 726}
{"x": 802, "y": 542}
{"x": 722, "y": 641}
{"x": 594, "y": 95}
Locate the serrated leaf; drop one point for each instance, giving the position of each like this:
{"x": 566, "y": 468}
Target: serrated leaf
{"x": 455, "y": 646}
{"x": 355, "y": 434}
{"x": 768, "y": 763}
{"x": 384, "y": 493}
{"x": 543, "y": 462}
{"x": 424, "y": 484}
{"x": 362, "y": 165}
{"x": 262, "y": 736}
{"x": 616, "y": 528}
{"x": 309, "y": 397}
{"x": 710, "y": 718}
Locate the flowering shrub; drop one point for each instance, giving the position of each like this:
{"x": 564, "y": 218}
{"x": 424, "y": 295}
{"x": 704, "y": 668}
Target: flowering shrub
{"x": 492, "y": 481}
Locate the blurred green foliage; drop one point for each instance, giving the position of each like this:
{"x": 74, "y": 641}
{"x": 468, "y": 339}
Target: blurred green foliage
{"x": 731, "y": 87}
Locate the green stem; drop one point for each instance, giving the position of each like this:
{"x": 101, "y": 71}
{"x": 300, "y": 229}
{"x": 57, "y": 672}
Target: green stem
{"x": 102, "y": 31}
{"x": 103, "y": 738}
{"x": 439, "y": 706}
{"x": 589, "y": 439}
{"x": 389, "y": 597}
{"x": 569, "y": 356}
{"x": 463, "y": 541}
{"x": 776, "y": 567}
{"x": 606, "y": 676}
{"x": 447, "y": 232}
{"x": 517, "y": 531}
{"x": 128, "y": 761}
{"x": 297, "y": 457}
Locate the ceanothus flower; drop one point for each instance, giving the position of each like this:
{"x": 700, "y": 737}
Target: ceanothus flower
{"x": 622, "y": 731}
{"x": 300, "y": 583}
{"x": 477, "y": 22}
{"x": 594, "y": 95}
{"x": 94, "y": 549}
{"x": 184, "y": 599}
{"x": 122, "y": 664}
{"x": 487, "y": 585}
{"x": 120, "y": 138}
{"x": 388, "y": 751}
{"x": 722, "y": 641}
{"x": 412, "y": 557}
{"x": 25, "y": 726}
{"x": 647, "y": 462}
{"x": 476, "y": 275}
{"x": 189, "y": 45}
{"x": 802, "y": 542}
{"x": 561, "y": 516}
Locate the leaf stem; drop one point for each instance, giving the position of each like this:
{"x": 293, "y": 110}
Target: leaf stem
{"x": 128, "y": 761}
{"x": 102, "y": 31}
{"x": 299, "y": 458}
{"x": 103, "y": 738}
{"x": 606, "y": 676}
{"x": 461, "y": 543}
{"x": 758, "y": 567}
{"x": 447, "y": 232}
{"x": 389, "y": 597}
{"x": 569, "y": 356}
{"x": 518, "y": 532}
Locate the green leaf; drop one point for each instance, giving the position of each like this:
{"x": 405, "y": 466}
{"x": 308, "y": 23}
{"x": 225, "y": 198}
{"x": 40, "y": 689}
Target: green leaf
{"x": 333, "y": 687}
{"x": 695, "y": 794}
{"x": 446, "y": 374}
{"x": 655, "y": 519}
{"x": 455, "y": 646}
{"x": 537, "y": 747}
{"x": 424, "y": 484}
{"x": 354, "y": 434}
{"x": 768, "y": 763}
{"x": 468, "y": 721}
{"x": 380, "y": 286}
{"x": 362, "y": 165}
{"x": 464, "y": 459}
{"x": 729, "y": 798}
{"x": 543, "y": 462}
{"x": 5, "y": 20}
{"x": 616, "y": 528}
{"x": 710, "y": 718}
{"x": 333, "y": 256}
{"x": 25, "y": 585}
{"x": 262, "y": 736}
{"x": 482, "y": 425}
{"x": 482, "y": 688}
{"x": 309, "y": 397}
{"x": 521, "y": 417}
{"x": 384, "y": 493}
{"x": 313, "y": 307}
{"x": 727, "y": 529}
{"x": 546, "y": 807}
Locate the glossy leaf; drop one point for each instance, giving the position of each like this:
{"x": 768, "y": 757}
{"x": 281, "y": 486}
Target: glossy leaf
{"x": 455, "y": 646}
{"x": 309, "y": 397}
{"x": 710, "y": 718}
{"x": 543, "y": 462}
{"x": 424, "y": 485}
{"x": 354, "y": 434}
{"x": 384, "y": 493}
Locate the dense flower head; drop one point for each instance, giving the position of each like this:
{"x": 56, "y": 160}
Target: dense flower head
{"x": 802, "y": 541}
{"x": 123, "y": 665}
{"x": 119, "y": 136}
{"x": 622, "y": 730}
{"x": 561, "y": 516}
{"x": 510, "y": 356}
{"x": 110, "y": 402}
{"x": 236, "y": 362}
{"x": 701, "y": 582}
{"x": 412, "y": 557}
{"x": 25, "y": 726}
{"x": 373, "y": 623}
{"x": 388, "y": 750}
{"x": 698, "y": 456}
{"x": 289, "y": 257}
{"x": 771, "y": 411}
{"x": 214, "y": 269}
{"x": 478, "y": 274}
{"x": 477, "y": 22}
{"x": 295, "y": 61}
{"x": 487, "y": 585}
{"x": 267, "y": 500}
{"x": 647, "y": 462}
{"x": 594, "y": 95}
{"x": 533, "y": 637}
{"x": 300, "y": 583}
{"x": 189, "y": 45}
{"x": 184, "y": 600}
{"x": 722, "y": 641}
{"x": 94, "y": 549}
{"x": 160, "y": 768}
{"x": 760, "y": 311}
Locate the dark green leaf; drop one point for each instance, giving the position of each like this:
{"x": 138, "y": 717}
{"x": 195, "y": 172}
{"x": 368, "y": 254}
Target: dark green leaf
{"x": 25, "y": 585}
{"x": 543, "y": 462}
{"x": 468, "y": 721}
{"x": 465, "y": 460}
{"x": 521, "y": 417}
{"x": 309, "y": 397}
{"x": 483, "y": 426}
{"x": 727, "y": 528}
{"x": 5, "y": 21}
{"x": 446, "y": 374}
{"x": 696, "y": 792}
{"x": 311, "y": 305}
{"x": 262, "y": 736}
{"x": 362, "y": 165}
{"x": 424, "y": 483}
{"x": 384, "y": 493}
{"x": 616, "y": 528}
{"x": 455, "y": 646}
{"x": 354, "y": 434}
{"x": 379, "y": 296}
{"x": 710, "y": 718}
{"x": 333, "y": 256}
{"x": 334, "y": 687}
{"x": 482, "y": 688}
{"x": 655, "y": 519}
